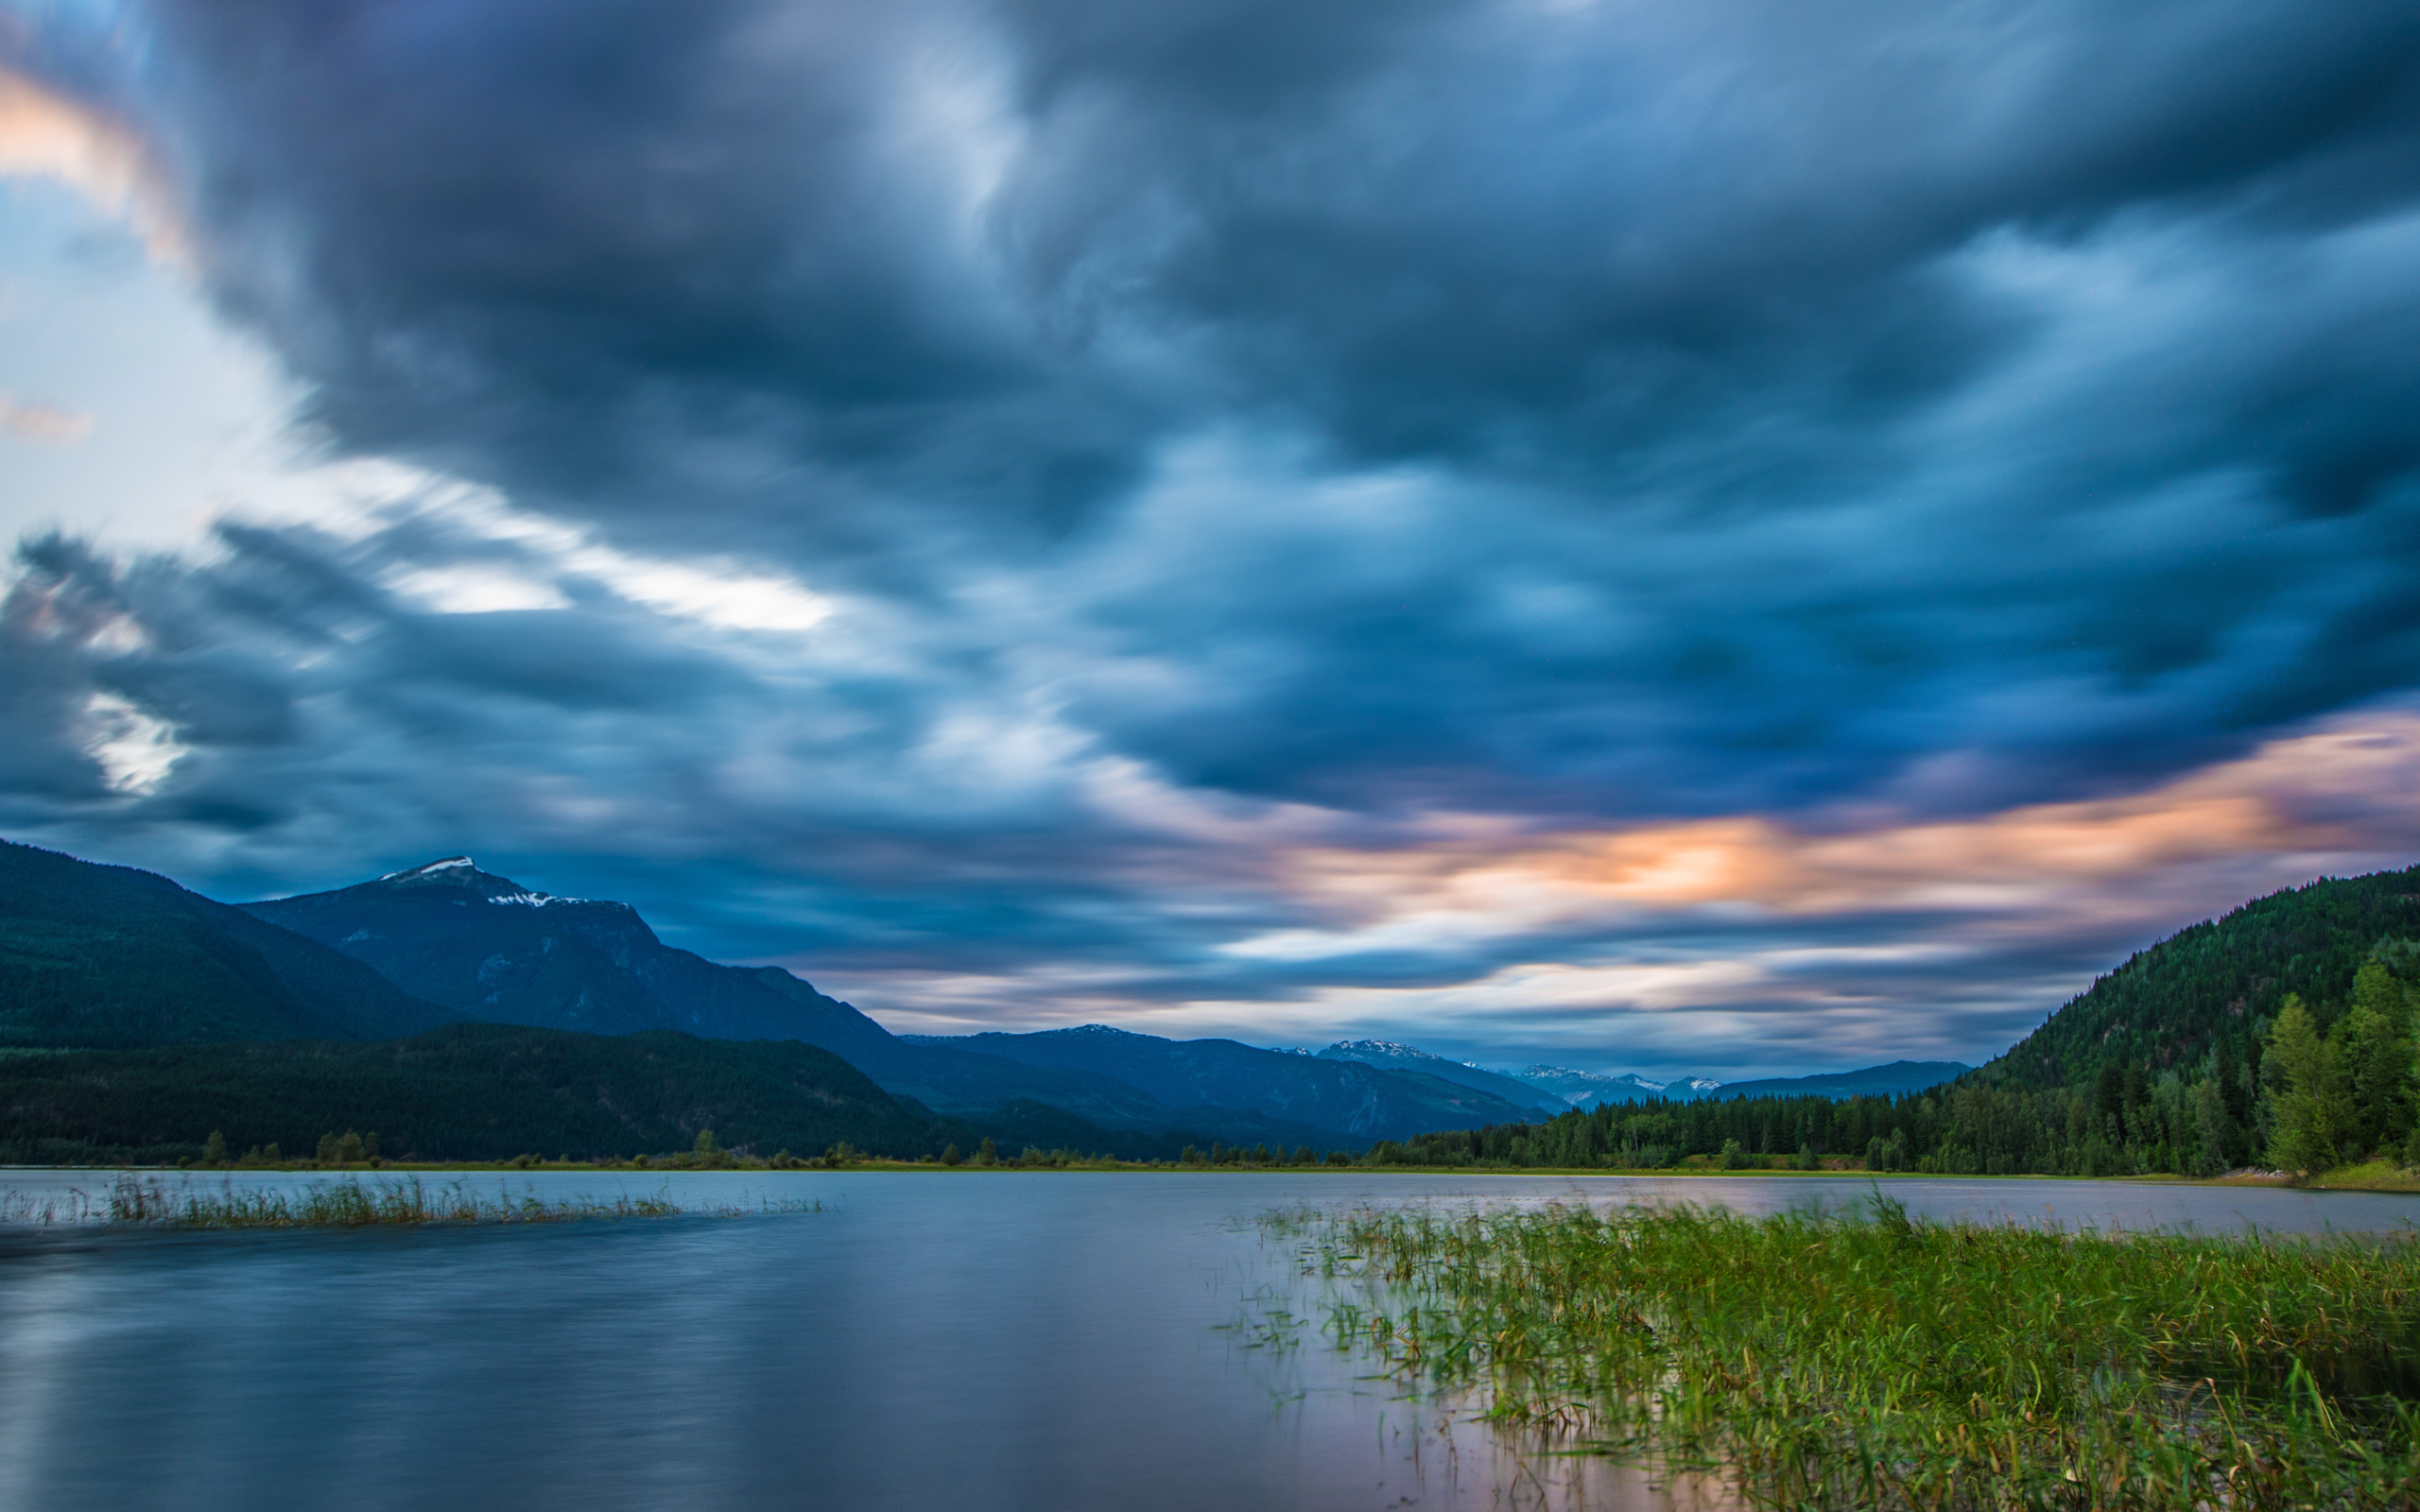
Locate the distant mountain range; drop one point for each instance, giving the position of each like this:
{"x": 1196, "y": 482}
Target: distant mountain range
{"x": 97, "y": 959}
{"x": 1873, "y": 1081}
{"x": 1557, "y": 1089}
{"x": 491, "y": 950}
{"x": 1340, "y": 1095}
{"x": 1583, "y": 1089}
{"x": 1588, "y": 1089}
{"x": 1515, "y": 1089}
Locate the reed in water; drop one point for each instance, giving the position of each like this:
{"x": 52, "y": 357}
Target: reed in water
{"x": 133, "y": 1201}
{"x": 1882, "y": 1361}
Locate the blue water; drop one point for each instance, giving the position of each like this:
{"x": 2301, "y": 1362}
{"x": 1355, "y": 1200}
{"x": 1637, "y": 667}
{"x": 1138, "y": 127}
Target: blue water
{"x": 958, "y": 1341}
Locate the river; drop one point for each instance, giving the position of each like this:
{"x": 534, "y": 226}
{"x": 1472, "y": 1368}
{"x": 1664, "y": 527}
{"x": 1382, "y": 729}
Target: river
{"x": 973, "y": 1342}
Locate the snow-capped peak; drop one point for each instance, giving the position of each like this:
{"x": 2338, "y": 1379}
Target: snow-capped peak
{"x": 461, "y": 874}
{"x": 1387, "y": 1048}
{"x": 446, "y": 864}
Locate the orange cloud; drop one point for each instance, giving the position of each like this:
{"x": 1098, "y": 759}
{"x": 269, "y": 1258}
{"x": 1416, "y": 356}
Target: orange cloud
{"x": 46, "y": 134}
{"x": 43, "y": 422}
{"x": 2346, "y": 790}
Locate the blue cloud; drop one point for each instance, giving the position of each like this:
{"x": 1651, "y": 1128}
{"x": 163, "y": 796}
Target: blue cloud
{"x": 1577, "y": 416}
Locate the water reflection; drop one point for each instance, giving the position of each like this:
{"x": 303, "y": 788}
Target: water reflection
{"x": 1004, "y": 1341}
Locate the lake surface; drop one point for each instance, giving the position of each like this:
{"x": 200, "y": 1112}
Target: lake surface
{"x": 931, "y": 1340}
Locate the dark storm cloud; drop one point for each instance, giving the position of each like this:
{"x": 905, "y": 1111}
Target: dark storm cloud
{"x": 1545, "y": 236}
{"x": 1550, "y": 235}
{"x": 1575, "y": 414}
{"x": 311, "y": 704}
{"x": 782, "y": 797}
{"x": 1692, "y": 318}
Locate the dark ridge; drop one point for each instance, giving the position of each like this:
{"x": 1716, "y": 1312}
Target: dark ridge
{"x": 96, "y": 955}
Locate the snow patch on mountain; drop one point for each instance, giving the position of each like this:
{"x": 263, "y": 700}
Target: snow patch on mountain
{"x": 449, "y": 864}
{"x": 463, "y": 873}
{"x": 533, "y": 899}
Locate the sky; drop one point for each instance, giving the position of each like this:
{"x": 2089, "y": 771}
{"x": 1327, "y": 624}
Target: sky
{"x": 1710, "y": 536}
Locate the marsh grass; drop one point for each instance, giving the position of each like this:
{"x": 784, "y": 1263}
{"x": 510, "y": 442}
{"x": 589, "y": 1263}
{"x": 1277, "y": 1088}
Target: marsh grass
{"x": 138, "y": 1202}
{"x": 1880, "y": 1361}
{"x": 134, "y": 1202}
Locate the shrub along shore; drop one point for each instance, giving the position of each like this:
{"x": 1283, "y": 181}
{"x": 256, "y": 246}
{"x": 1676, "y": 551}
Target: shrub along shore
{"x": 1887, "y": 1362}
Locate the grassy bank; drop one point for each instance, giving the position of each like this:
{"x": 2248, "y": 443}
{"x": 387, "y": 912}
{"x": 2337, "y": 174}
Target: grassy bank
{"x": 1888, "y": 1361}
{"x": 2375, "y": 1176}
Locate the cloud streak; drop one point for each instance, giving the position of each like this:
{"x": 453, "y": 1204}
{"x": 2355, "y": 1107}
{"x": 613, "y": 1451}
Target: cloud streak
{"x": 1654, "y": 535}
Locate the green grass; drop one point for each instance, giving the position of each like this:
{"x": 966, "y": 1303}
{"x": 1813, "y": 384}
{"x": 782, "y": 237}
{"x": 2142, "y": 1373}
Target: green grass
{"x": 1886, "y": 1362}
{"x": 2373, "y": 1175}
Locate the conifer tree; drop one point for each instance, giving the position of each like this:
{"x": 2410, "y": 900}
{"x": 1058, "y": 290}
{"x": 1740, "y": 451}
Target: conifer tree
{"x": 2375, "y": 1051}
{"x": 2310, "y": 1108}
{"x": 2213, "y": 1131}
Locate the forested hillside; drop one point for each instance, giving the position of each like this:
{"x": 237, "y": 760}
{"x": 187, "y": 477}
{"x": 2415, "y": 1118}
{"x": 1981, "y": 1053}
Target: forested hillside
{"x": 470, "y": 1091}
{"x": 2216, "y": 985}
{"x": 2280, "y": 1035}
{"x": 490, "y": 1092}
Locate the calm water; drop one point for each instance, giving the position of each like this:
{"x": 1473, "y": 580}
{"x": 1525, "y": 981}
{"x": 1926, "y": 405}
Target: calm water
{"x": 995, "y": 1341}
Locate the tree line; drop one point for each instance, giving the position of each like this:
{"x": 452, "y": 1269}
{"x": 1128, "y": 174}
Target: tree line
{"x": 2317, "y": 1086}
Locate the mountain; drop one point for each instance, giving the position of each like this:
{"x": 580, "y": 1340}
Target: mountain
{"x": 1873, "y": 1081}
{"x": 1339, "y": 1097}
{"x": 498, "y": 951}
{"x": 1388, "y": 1056}
{"x": 2210, "y": 988}
{"x": 99, "y": 955}
{"x": 494, "y": 951}
{"x": 464, "y": 1093}
{"x": 137, "y": 1007}
{"x": 1586, "y": 1089}
{"x": 1590, "y": 1089}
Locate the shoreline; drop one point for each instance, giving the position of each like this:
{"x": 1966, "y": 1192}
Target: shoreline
{"x": 2375, "y": 1177}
